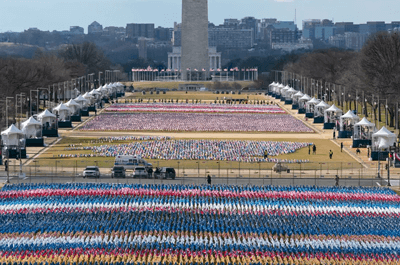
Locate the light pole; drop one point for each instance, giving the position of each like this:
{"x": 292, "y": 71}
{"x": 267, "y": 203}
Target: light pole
{"x": 18, "y": 97}
{"x": 115, "y": 75}
{"x": 30, "y": 100}
{"x": 100, "y": 78}
{"x": 7, "y": 98}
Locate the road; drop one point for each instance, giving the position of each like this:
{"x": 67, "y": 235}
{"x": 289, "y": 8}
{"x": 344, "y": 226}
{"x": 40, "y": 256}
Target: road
{"x": 371, "y": 182}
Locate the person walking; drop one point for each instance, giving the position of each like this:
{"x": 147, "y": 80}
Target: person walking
{"x": 314, "y": 149}
{"x": 341, "y": 147}
{"x": 209, "y": 179}
{"x": 334, "y": 134}
{"x": 265, "y": 154}
{"x": 309, "y": 150}
{"x": 330, "y": 154}
{"x": 337, "y": 181}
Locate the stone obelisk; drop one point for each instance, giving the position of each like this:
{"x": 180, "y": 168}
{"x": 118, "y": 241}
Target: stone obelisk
{"x": 194, "y": 40}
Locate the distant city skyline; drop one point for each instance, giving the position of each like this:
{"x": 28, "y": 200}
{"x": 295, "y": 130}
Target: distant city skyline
{"x": 59, "y": 15}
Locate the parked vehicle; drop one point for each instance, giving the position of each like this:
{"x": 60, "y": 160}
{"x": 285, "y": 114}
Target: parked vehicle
{"x": 139, "y": 172}
{"x": 165, "y": 172}
{"x": 118, "y": 172}
{"x": 91, "y": 171}
{"x": 129, "y": 162}
{"x": 280, "y": 167}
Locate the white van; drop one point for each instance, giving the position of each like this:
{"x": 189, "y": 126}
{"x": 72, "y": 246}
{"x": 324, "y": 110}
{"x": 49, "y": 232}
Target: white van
{"x": 130, "y": 162}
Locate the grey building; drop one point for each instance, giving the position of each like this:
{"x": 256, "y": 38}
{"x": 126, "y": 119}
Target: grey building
{"x": 231, "y": 38}
{"x": 195, "y": 38}
{"x": 76, "y": 30}
{"x": 95, "y": 27}
{"x": 136, "y": 30}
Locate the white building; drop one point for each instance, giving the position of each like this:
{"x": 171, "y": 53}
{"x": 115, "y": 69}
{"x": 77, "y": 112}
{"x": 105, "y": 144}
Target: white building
{"x": 174, "y": 58}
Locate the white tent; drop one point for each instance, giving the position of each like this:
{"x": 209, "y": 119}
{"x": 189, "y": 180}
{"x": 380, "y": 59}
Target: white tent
{"x": 303, "y": 100}
{"x": 363, "y": 130}
{"x": 278, "y": 89}
{"x": 32, "y": 128}
{"x": 332, "y": 114}
{"x": 290, "y": 92}
{"x": 320, "y": 108}
{"x": 297, "y": 96}
{"x": 64, "y": 113}
{"x": 348, "y": 120}
{"x": 74, "y": 106}
{"x": 47, "y": 119}
{"x": 310, "y": 105}
{"x": 12, "y": 136}
{"x": 283, "y": 91}
{"x": 83, "y": 102}
{"x": 383, "y": 139}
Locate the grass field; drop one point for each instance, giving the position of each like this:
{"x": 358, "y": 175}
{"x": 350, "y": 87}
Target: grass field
{"x": 339, "y": 161}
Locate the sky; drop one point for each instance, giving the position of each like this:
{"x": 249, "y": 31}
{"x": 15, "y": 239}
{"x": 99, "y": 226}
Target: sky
{"x": 52, "y": 15}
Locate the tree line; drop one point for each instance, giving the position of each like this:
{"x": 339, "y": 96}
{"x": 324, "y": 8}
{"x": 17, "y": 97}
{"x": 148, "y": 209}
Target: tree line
{"x": 21, "y": 75}
{"x": 370, "y": 77}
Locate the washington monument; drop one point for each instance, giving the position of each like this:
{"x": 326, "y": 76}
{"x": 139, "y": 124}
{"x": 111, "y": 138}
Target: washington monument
{"x": 195, "y": 39}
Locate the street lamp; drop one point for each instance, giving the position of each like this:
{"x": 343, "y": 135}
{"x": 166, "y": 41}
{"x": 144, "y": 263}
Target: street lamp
{"x": 100, "y": 78}
{"x": 30, "y": 100}
{"x": 7, "y": 110}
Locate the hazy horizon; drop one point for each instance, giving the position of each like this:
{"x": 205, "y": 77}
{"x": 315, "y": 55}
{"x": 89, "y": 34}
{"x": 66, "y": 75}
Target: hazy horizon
{"x": 59, "y": 15}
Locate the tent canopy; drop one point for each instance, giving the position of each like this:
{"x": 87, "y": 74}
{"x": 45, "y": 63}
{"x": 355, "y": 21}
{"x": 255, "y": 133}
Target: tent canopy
{"x": 31, "y": 122}
{"x": 46, "y": 114}
{"x": 365, "y": 122}
{"x": 383, "y": 139}
{"x": 348, "y": 120}
{"x": 384, "y": 133}
{"x": 332, "y": 114}
{"x": 72, "y": 103}
{"x": 305, "y": 98}
{"x": 80, "y": 99}
{"x": 12, "y": 130}
{"x": 62, "y": 107}
{"x": 350, "y": 115}
{"x": 333, "y": 108}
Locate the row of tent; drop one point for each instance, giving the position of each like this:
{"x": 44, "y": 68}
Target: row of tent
{"x": 364, "y": 133}
{"x": 46, "y": 123}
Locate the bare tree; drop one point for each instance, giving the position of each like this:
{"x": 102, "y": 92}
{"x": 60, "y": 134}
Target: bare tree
{"x": 380, "y": 63}
{"x": 87, "y": 54}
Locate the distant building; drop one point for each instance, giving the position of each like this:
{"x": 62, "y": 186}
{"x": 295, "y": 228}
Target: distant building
{"x": 282, "y": 36}
{"x": 75, "y": 30}
{"x": 318, "y": 29}
{"x": 136, "y": 30}
{"x": 252, "y": 24}
{"x": 95, "y": 28}
{"x": 163, "y": 34}
{"x": 230, "y": 38}
{"x": 231, "y": 23}
{"x": 338, "y": 41}
{"x": 355, "y": 40}
{"x": 113, "y": 31}
{"x": 289, "y": 47}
